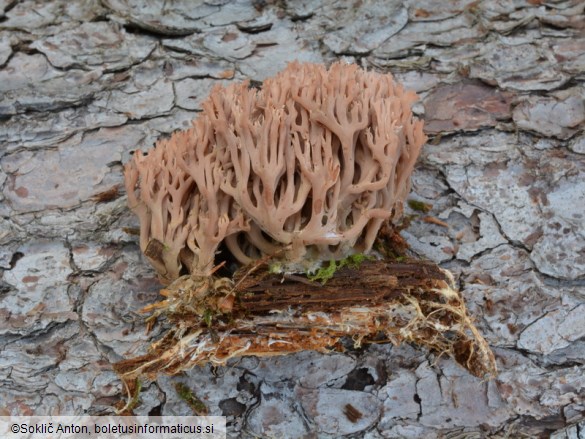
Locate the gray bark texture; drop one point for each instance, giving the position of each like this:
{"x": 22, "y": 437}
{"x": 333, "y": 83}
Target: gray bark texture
{"x": 502, "y": 84}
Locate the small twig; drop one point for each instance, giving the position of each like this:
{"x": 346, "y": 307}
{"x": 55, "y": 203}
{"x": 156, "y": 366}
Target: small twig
{"x": 301, "y": 279}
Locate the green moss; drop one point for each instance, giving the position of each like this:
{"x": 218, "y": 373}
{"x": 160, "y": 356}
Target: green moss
{"x": 325, "y": 273}
{"x": 208, "y": 316}
{"x": 135, "y": 397}
{"x": 419, "y": 206}
{"x": 354, "y": 261}
{"x": 275, "y": 268}
{"x": 196, "y": 405}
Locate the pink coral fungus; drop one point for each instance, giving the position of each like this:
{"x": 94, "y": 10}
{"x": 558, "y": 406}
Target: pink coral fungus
{"x": 308, "y": 167}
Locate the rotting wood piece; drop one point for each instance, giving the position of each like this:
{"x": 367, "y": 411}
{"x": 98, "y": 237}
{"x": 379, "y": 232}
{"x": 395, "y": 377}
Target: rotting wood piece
{"x": 373, "y": 283}
{"x": 265, "y": 314}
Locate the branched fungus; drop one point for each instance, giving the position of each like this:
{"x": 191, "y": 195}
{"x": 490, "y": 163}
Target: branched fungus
{"x": 310, "y": 169}
{"x": 313, "y": 163}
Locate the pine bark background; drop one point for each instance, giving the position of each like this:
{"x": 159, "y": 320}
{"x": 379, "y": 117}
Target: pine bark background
{"x": 84, "y": 83}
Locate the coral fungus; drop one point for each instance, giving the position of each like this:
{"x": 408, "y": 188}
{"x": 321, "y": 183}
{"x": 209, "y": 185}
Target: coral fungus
{"x": 310, "y": 165}
{"x": 312, "y": 169}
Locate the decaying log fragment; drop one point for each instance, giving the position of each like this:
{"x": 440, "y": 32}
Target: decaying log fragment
{"x": 261, "y": 313}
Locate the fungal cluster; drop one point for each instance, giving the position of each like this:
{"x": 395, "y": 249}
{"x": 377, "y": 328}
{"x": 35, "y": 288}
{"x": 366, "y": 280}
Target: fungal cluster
{"x": 308, "y": 167}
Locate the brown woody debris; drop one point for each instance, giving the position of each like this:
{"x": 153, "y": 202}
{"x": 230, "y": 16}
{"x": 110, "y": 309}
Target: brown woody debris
{"x": 276, "y": 314}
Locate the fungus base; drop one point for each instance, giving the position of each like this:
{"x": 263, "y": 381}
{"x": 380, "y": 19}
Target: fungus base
{"x": 263, "y": 314}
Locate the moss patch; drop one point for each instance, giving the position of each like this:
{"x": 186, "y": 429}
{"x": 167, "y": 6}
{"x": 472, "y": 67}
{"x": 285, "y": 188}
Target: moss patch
{"x": 325, "y": 273}
{"x": 191, "y": 399}
{"x": 419, "y": 206}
